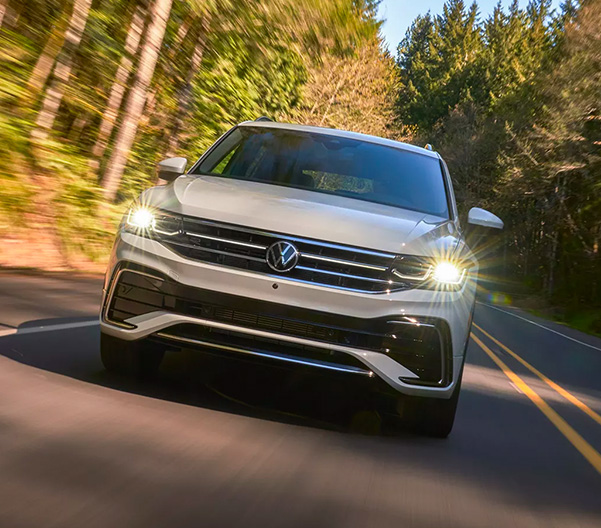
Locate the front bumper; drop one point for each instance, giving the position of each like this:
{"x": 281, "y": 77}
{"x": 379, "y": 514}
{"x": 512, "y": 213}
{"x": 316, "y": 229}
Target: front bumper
{"x": 356, "y": 317}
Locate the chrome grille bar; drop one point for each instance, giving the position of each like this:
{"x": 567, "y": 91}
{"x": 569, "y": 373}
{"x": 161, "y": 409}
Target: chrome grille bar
{"x": 220, "y": 252}
{"x": 225, "y": 240}
{"x": 270, "y": 355}
{"x": 343, "y": 262}
{"x": 343, "y": 275}
{"x": 320, "y": 263}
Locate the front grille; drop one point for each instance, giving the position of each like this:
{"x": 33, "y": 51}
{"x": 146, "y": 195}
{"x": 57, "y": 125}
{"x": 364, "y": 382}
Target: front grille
{"x": 243, "y": 248}
{"x": 423, "y": 346}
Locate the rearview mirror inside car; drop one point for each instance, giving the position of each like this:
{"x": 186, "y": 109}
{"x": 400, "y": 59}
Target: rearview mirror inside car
{"x": 172, "y": 168}
{"x": 484, "y": 218}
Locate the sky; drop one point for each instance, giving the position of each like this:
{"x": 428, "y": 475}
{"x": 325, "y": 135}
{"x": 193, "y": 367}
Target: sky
{"x": 400, "y": 13}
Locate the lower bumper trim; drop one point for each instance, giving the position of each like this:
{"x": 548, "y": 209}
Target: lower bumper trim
{"x": 270, "y": 355}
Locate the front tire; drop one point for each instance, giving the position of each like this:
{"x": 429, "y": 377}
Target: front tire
{"x": 139, "y": 359}
{"x": 431, "y": 416}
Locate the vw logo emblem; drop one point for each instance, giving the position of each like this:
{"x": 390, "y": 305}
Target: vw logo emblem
{"x": 282, "y": 256}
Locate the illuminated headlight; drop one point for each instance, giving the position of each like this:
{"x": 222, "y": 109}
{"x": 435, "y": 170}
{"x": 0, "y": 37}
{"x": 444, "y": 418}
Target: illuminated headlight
{"x": 448, "y": 273}
{"x": 141, "y": 218}
{"x": 146, "y": 222}
{"x": 428, "y": 273}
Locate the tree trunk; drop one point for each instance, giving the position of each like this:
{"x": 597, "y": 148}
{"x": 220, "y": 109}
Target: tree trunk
{"x": 62, "y": 70}
{"x": 332, "y": 98}
{"x": 137, "y": 97}
{"x": 111, "y": 111}
{"x": 43, "y": 66}
{"x": 3, "y": 7}
{"x": 552, "y": 262}
{"x": 13, "y": 14}
{"x": 182, "y": 33}
{"x": 78, "y": 126}
{"x": 184, "y": 96}
{"x": 559, "y": 188}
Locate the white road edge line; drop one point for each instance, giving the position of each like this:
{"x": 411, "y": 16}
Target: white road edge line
{"x": 49, "y": 328}
{"x": 541, "y": 326}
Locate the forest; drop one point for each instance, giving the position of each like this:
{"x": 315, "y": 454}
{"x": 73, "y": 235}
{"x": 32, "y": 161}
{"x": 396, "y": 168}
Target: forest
{"x": 93, "y": 93}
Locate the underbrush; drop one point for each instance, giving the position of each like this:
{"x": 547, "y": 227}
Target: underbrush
{"x": 584, "y": 319}
{"x": 56, "y": 201}
{"x": 587, "y": 319}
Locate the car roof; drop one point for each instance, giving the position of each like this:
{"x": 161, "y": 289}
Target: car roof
{"x": 342, "y": 134}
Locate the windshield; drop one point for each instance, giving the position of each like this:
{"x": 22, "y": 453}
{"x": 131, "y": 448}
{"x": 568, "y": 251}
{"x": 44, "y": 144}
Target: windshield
{"x": 333, "y": 165}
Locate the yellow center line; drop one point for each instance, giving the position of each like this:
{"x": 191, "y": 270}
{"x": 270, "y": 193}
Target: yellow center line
{"x": 567, "y": 395}
{"x": 585, "y": 449}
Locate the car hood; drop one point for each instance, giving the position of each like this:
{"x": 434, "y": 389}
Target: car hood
{"x": 307, "y": 214}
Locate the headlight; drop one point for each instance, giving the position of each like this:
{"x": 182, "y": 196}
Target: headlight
{"x": 448, "y": 273}
{"x": 140, "y": 218}
{"x": 428, "y": 273}
{"x": 144, "y": 221}
{"x": 411, "y": 268}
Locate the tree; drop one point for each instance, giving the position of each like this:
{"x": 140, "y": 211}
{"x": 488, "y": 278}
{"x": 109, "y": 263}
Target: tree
{"x": 416, "y": 58}
{"x": 3, "y": 8}
{"x": 151, "y": 46}
{"x": 46, "y": 60}
{"x": 62, "y": 70}
{"x": 184, "y": 94}
{"x": 556, "y": 163}
{"x": 109, "y": 116}
{"x": 352, "y": 93}
{"x": 437, "y": 63}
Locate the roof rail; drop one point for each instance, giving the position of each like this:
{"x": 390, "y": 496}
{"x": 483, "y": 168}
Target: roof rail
{"x": 263, "y": 118}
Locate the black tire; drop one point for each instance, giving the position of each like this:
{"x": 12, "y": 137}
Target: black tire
{"x": 139, "y": 359}
{"x": 431, "y": 416}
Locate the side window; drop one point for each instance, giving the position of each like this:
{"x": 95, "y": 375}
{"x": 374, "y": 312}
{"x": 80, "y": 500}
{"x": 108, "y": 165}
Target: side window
{"x": 220, "y": 157}
{"x": 450, "y": 193}
{"x": 222, "y": 165}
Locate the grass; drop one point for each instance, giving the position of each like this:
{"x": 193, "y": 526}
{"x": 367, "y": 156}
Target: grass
{"x": 586, "y": 319}
{"x": 582, "y": 318}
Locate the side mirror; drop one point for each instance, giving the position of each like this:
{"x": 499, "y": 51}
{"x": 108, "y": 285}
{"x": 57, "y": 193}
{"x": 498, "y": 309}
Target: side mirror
{"x": 172, "y": 168}
{"x": 483, "y": 218}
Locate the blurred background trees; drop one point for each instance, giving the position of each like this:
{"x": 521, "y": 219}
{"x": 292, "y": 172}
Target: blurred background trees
{"x": 93, "y": 93}
{"x": 513, "y": 104}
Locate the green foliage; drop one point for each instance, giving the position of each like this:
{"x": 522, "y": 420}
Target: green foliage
{"x": 351, "y": 92}
{"x": 513, "y": 103}
{"x": 15, "y": 189}
{"x": 228, "y": 91}
{"x": 438, "y": 64}
{"x": 80, "y": 231}
{"x": 254, "y": 60}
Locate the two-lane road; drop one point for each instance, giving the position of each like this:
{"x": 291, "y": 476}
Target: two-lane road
{"x": 80, "y": 448}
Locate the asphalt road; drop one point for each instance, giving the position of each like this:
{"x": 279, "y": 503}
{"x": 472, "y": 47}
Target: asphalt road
{"x": 81, "y": 448}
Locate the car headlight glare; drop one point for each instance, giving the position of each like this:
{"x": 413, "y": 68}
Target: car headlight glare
{"x": 149, "y": 222}
{"x": 430, "y": 273}
{"x": 141, "y": 218}
{"x": 448, "y": 273}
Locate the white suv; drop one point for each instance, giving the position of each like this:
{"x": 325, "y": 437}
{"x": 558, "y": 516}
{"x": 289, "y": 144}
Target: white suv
{"x": 309, "y": 247}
